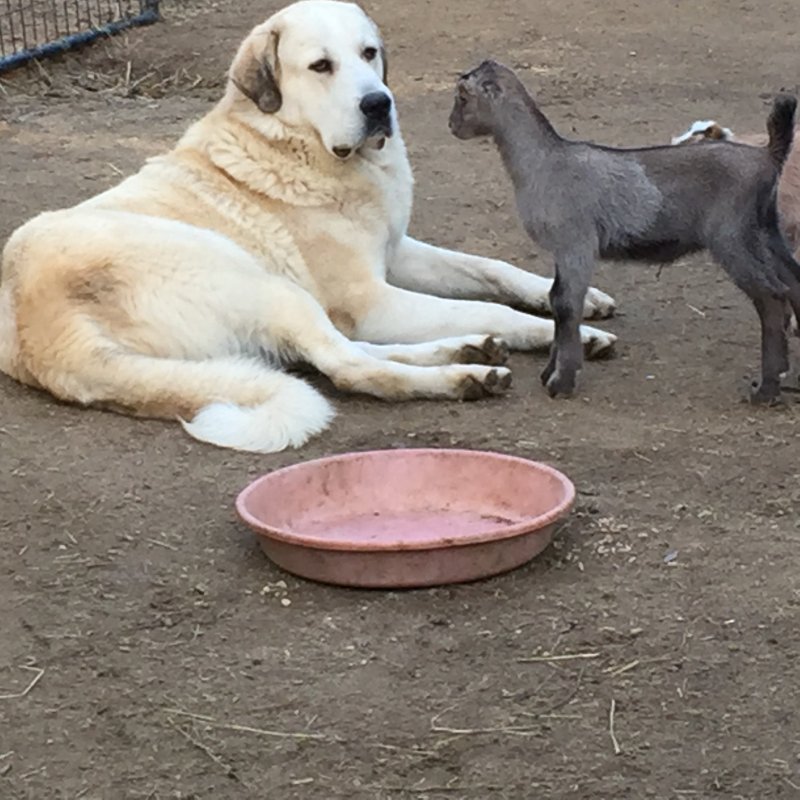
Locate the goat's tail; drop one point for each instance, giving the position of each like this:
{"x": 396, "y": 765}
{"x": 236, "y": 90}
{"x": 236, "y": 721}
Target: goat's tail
{"x": 780, "y": 126}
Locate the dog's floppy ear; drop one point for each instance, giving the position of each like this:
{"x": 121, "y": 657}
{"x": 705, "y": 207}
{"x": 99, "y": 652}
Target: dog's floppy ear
{"x": 254, "y": 73}
{"x": 385, "y": 65}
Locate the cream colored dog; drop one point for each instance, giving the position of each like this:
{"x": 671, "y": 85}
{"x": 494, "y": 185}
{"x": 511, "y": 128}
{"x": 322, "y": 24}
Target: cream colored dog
{"x": 276, "y": 229}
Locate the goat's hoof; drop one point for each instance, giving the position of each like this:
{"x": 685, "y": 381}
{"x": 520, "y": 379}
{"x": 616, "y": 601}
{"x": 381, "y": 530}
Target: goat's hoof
{"x": 766, "y": 395}
{"x": 491, "y": 351}
{"x": 561, "y": 384}
{"x": 596, "y": 343}
{"x": 493, "y": 382}
{"x": 598, "y": 305}
{"x": 547, "y": 372}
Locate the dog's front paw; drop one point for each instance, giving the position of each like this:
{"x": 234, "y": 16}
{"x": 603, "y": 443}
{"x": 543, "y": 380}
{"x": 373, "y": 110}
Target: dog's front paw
{"x": 598, "y": 305}
{"x": 494, "y": 381}
{"x": 490, "y": 351}
{"x": 597, "y": 343}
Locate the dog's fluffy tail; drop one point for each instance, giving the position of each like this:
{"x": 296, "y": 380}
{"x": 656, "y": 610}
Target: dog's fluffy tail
{"x": 780, "y": 127}
{"x": 234, "y": 402}
{"x": 288, "y": 414}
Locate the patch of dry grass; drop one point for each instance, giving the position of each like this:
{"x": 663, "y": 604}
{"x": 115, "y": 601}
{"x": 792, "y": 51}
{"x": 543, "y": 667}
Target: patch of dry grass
{"x": 134, "y": 63}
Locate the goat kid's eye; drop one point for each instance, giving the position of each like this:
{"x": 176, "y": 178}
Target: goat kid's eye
{"x": 369, "y": 53}
{"x": 323, "y": 65}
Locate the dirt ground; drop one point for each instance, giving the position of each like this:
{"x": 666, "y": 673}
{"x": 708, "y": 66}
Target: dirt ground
{"x": 167, "y": 665}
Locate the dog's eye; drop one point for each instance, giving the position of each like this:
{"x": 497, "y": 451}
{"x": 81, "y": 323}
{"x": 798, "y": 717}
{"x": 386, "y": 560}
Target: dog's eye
{"x": 323, "y": 65}
{"x": 370, "y": 53}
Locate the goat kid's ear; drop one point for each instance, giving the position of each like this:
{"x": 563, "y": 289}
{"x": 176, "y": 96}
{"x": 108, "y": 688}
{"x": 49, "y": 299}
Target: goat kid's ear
{"x": 254, "y": 74}
{"x": 490, "y": 88}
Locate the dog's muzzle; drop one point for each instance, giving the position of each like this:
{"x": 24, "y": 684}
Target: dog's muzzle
{"x": 377, "y": 110}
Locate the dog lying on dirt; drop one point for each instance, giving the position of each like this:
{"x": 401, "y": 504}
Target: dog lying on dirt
{"x": 276, "y": 227}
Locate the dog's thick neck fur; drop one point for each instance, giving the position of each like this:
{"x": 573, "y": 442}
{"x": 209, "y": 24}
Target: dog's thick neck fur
{"x": 283, "y": 163}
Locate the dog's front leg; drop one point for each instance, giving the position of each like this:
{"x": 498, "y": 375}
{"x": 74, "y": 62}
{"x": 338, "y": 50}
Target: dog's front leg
{"x": 421, "y": 267}
{"x": 398, "y": 316}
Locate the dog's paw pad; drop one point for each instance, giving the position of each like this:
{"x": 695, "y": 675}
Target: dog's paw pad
{"x": 598, "y": 305}
{"x": 493, "y": 382}
{"x": 491, "y": 351}
{"x": 599, "y": 344}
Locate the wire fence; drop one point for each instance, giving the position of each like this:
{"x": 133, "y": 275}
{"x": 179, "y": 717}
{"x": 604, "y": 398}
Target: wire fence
{"x": 38, "y": 28}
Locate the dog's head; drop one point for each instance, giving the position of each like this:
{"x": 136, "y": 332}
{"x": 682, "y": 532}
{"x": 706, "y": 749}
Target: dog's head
{"x": 319, "y": 64}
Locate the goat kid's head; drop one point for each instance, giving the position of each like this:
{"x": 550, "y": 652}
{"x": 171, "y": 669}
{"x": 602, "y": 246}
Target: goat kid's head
{"x": 476, "y": 93}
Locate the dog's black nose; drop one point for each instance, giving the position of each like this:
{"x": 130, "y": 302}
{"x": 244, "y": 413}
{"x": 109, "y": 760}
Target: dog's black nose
{"x": 376, "y": 105}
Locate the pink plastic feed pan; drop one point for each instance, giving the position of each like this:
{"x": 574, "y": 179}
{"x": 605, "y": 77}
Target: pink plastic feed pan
{"x": 405, "y": 518}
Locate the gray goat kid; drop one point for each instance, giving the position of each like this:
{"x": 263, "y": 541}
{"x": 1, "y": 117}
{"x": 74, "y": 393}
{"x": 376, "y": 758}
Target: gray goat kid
{"x": 581, "y": 201}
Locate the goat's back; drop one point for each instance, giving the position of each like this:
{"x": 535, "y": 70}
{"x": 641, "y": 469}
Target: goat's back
{"x": 709, "y": 172}
{"x": 788, "y": 185}
{"x": 660, "y": 203}
{"x": 700, "y": 190}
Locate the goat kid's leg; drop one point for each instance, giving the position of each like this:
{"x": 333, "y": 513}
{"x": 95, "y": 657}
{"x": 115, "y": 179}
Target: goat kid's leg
{"x": 550, "y": 367}
{"x": 755, "y": 266}
{"x": 774, "y": 349}
{"x": 573, "y": 273}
